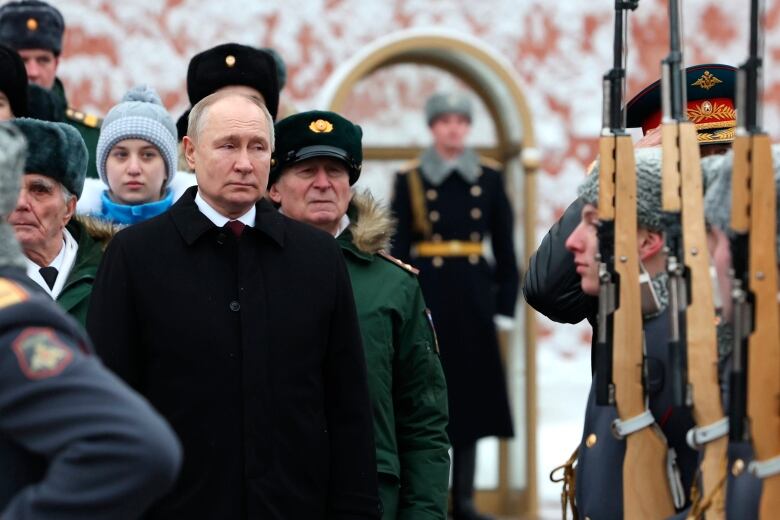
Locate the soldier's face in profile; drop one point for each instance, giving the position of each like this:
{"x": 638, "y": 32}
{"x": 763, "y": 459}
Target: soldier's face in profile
{"x": 315, "y": 191}
{"x": 41, "y": 66}
{"x": 583, "y": 243}
{"x": 449, "y": 132}
{"x": 41, "y": 213}
{"x": 231, "y": 155}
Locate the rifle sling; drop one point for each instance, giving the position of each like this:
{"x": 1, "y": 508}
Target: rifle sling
{"x": 698, "y": 436}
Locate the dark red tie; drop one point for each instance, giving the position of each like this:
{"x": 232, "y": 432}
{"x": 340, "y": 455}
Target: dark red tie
{"x": 236, "y": 226}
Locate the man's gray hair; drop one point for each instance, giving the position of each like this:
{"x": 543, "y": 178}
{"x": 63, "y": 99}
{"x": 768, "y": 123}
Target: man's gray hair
{"x": 197, "y": 117}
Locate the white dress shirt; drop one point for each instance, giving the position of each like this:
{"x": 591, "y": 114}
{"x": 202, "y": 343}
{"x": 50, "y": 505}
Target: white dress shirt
{"x": 63, "y": 262}
{"x": 218, "y": 218}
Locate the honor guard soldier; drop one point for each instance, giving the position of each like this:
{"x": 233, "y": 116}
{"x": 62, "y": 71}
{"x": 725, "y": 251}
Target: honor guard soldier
{"x": 75, "y": 442}
{"x": 34, "y": 29}
{"x": 317, "y": 159}
{"x": 600, "y": 455}
{"x": 447, "y": 204}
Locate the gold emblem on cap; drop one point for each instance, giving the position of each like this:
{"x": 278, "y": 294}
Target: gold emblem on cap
{"x": 32, "y": 24}
{"x": 706, "y": 81}
{"x": 230, "y": 60}
{"x": 320, "y": 126}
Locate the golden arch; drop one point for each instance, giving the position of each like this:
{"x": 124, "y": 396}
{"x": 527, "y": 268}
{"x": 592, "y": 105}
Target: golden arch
{"x": 494, "y": 80}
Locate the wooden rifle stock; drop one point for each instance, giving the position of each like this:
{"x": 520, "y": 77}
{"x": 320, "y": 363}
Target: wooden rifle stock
{"x": 681, "y": 147}
{"x": 753, "y": 172}
{"x": 646, "y": 492}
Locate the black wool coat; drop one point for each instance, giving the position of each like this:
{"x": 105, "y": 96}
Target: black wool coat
{"x": 251, "y": 349}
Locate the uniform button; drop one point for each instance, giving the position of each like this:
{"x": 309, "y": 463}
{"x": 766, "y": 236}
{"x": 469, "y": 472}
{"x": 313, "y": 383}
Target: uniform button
{"x": 434, "y": 216}
{"x": 738, "y": 467}
{"x": 436, "y": 237}
{"x": 431, "y": 195}
{"x": 591, "y": 440}
{"x": 473, "y": 259}
{"x": 235, "y": 306}
{"x": 437, "y": 261}
{"x": 476, "y": 213}
{"x": 475, "y": 237}
{"x": 476, "y": 191}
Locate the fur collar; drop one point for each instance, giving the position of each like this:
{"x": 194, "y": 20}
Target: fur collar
{"x": 372, "y": 225}
{"x": 100, "y": 230}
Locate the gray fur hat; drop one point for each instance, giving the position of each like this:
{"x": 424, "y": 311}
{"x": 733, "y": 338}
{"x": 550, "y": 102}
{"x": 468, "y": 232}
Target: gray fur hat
{"x": 648, "y": 188}
{"x": 717, "y": 197}
{"x": 13, "y": 151}
{"x": 447, "y": 103}
{"x": 56, "y": 150}
{"x": 140, "y": 115}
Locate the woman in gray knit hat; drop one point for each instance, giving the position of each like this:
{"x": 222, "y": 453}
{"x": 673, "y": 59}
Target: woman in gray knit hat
{"x": 136, "y": 161}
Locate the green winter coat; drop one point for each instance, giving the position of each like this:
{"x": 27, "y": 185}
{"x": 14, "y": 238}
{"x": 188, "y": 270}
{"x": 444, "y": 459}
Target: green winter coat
{"x": 92, "y": 236}
{"x": 88, "y": 126}
{"x": 405, "y": 378}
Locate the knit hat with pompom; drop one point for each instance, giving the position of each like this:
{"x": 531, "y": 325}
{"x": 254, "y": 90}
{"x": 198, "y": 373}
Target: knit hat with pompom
{"x": 140, "y": 115}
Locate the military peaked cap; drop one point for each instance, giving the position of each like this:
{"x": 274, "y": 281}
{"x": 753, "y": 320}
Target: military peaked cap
{"x": 317, "y": 134}
{"x": 710, "y": 91}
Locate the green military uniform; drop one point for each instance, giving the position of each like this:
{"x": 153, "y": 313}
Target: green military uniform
{"x": 88, "y": 126}
{"x": 91, "y": 235}
{"x": 405, "y": 378}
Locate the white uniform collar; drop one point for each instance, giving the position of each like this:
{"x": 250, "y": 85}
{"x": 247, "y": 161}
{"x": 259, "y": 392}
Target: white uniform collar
{"x": 63, "y": 262}
{"x": 343, "y": 225}
{"x": 218, "y": 218}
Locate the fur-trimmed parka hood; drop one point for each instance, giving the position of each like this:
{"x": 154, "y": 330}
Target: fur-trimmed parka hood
{"x": 100, "y": 230}
{"x": 372, "y": 225}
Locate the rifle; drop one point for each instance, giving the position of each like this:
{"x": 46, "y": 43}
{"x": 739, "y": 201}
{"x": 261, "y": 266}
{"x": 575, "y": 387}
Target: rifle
{"x": 755, "y": 377}
{"x": 645, "y": 494}
{"x": 693, "y": 344}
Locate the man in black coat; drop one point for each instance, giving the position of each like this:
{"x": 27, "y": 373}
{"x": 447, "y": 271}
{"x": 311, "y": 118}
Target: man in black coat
{"x": 239, "y": 325}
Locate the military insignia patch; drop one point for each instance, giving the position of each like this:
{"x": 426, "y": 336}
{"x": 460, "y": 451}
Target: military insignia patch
{"x": 10, "y": 293}
{"x": 433, "y": 330}
{"x": 706, "y": 81}
{"x": 40, "y": 354}
{"x": 320, "y": 126}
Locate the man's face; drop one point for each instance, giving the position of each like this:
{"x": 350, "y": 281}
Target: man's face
{"x": 136, "y": 172}
{"x": 315, "y": 191}
{"x": 5, "y": 108}
{"x": 583, "y": 243}
{"x": 41, "y": 213}
{"x": 41, "y": 66}
{"x": 231, "y": 156}
{"x": 449, "y": 132}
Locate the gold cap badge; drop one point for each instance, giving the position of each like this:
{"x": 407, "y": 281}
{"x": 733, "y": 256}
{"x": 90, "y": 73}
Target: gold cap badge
{"x": 32, "y": 24}
{"x": 320, "y": 126}
{"x": 230, "y": 60}
{"x": 706, "y": 81}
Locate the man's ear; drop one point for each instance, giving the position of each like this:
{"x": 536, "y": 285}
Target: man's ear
{"x": 70, "y": 210}
{"x": 274, "y": 194}
{"x": 651, "y": 243}
{"x": 189, "y": 151}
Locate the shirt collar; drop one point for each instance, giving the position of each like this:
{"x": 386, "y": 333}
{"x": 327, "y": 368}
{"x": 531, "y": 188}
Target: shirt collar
{"x": 218, "y": 218}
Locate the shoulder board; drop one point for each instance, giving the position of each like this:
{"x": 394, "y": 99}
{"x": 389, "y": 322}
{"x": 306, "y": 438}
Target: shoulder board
{"x": 11, "y": 293}
{"x": 490, "y": 163}
{"x": 390, "y": 258}
{"x": 409, "y": 166}
{"x": 89, "y": 120}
